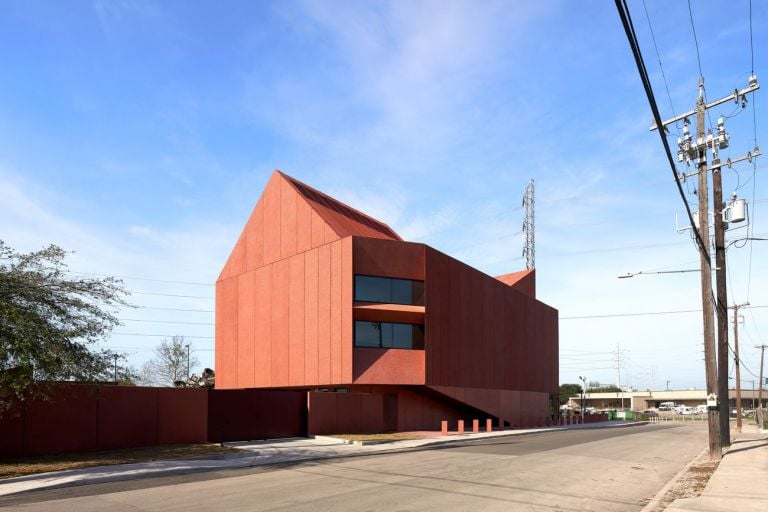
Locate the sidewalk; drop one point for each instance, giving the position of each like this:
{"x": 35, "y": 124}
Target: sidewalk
{"x": 258, "y": 453}
{"x": 740, "y": 481}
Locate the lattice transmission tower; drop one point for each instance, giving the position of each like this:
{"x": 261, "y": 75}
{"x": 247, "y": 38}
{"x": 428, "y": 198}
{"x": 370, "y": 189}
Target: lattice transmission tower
{"x": 529, "y": 227}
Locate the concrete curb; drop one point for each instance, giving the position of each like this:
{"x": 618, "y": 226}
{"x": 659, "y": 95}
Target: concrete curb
{"x": 332, "y": 439}
{"x": 246, "y": 460}
{"x": 656, "y": 500}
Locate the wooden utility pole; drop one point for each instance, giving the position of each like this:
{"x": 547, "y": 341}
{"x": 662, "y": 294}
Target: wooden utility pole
{"x": 710, "y": 361}
{"x": 689, "y": 150}
{"x": 722, "y": 304}
{"x": 736, "y": 362}
{"x": 760, "y": 389}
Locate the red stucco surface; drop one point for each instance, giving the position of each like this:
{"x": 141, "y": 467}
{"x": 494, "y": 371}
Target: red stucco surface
{"x": 523, "y": 281}
{"x": 288, "y": 323}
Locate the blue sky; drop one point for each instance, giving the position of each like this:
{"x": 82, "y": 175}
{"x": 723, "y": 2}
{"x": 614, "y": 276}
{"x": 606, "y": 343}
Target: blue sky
{"x": 140, "y": 134}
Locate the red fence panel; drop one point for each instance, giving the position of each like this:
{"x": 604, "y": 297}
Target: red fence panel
{"x": 182, "y": 416}
{"x": 345, "y": 413}
{"x": 282, "y": 414}
{"x": 127, "y": 417}
{"x": 248, "y": 414}
{"x": 83, "y": 418}
{"x": 65, "y": 423}
{"x": 12, "y": 433}
{"x": 233, "y": 415}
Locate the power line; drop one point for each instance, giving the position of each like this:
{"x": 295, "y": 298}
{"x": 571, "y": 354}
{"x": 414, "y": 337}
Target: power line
{"x": 152, "y": 349}
{"x": 661, "y": 68}
{"x": 754, "y": 162}
{"x": 178, "y": 309}
{"x": 648, "y": 313}
{"x": 169, "y": 295}
{"x": 751, "y": 45}
{"x": 695, "y": 39}
{"x": 626, "y": 21}
{"x": 165, "y": 321}
{"x": 162, "y": 335}
{"x": 141, "y": 278}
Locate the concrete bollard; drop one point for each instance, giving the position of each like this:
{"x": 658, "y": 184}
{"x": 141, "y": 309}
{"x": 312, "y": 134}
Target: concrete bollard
{"x": 475, "y": 426}
{"x": 488, "y": 425}
{"x": 461, "y": 426}
{"x": 444, "y": 428}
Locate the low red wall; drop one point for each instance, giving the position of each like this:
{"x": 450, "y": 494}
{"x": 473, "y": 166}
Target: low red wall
{"x": 83, "y": 418}
{"x": 248, "y": 414}
{"x": 345, "y": 413}
{"x": 65, "y": 423}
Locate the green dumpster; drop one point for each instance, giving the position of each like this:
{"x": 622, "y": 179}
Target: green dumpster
{"x": 611, "y": 415}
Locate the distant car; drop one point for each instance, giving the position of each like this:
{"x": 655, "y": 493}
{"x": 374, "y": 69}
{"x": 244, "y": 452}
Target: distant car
{"x": 667, "y": 406}
{"x": 700, "y": 409}
{"x": 685, "y": 410}
{"x": 650, "y": 412}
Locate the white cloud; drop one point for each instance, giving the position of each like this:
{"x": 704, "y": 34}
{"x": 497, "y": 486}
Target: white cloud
{"x": 150, "y": 260}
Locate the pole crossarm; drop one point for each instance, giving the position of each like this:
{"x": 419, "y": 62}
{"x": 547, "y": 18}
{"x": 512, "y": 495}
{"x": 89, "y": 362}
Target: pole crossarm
{"x": 729, "y": 162}
{"x": 735, "y": 95}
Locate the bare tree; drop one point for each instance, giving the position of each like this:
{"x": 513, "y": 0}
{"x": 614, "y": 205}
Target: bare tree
{"x": 171, "y": 363}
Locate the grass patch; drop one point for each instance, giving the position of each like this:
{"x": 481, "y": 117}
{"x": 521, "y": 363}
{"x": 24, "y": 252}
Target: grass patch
{"x": 30, "y": 465}
{"x": 378, "y": 437}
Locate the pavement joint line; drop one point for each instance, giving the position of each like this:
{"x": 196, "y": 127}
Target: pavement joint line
{"x": 254, "y": 463}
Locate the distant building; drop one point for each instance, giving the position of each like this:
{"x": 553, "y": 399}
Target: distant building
{"x": 319, "y": 296}
{"x": 640, "y": 400}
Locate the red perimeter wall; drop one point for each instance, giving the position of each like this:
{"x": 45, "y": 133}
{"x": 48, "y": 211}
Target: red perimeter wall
{"x": 376, "y": 409}
{"x": 246, "y": 414}
{"x": 86, "y": 418}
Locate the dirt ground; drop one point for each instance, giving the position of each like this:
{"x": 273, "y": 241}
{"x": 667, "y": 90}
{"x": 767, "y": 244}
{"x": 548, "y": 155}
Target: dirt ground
{"x": 691, "y": 483}
{"x": 30, "y": 465}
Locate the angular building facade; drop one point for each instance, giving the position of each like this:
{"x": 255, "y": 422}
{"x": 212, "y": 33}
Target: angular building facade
{"x": 384, "y": 334}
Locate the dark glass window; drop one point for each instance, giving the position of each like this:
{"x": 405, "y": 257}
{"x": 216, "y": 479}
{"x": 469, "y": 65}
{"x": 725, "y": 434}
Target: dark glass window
{"x": 367, "y": 334}
{"x": 389, "y": 290}
{"x": 389, "y": 335}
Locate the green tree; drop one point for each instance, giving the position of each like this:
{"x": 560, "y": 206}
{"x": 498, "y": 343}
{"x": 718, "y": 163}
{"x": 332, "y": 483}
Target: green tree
{"x": 49, "y": 320}
{"x": 609, "y": 388}
{"x": 567, "y": 391}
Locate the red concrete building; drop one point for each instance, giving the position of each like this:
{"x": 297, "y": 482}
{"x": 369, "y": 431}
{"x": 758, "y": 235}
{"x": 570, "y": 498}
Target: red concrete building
{"x": 385, "y": 334}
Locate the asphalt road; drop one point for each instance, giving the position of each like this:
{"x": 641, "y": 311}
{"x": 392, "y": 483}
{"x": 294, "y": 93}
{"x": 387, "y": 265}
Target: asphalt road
{"x": 615, "y": 469}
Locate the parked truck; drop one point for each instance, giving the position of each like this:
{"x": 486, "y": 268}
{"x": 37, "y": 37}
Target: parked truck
{"x": 667, "y": 406}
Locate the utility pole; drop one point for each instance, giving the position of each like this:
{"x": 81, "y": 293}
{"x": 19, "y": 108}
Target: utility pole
{"x": 668, "y": 384}
{"x": 736, "y": 362}
{"x": 760, "y": 389}
{"x": 115, "y": 356}
{"x": 722, "y": 298}
{"x": 715, "y": 446}
{"x": 187, "y": 362}
{"x": 689, "y": 150}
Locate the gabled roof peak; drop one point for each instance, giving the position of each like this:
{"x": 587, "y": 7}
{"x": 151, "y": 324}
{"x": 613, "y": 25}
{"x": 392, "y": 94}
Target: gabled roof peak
{"x": 344, "y": 219}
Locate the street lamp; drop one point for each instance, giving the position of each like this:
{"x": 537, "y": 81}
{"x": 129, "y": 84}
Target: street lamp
{"x": 633, "y": 274}
{"x": 583, "y": 393}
